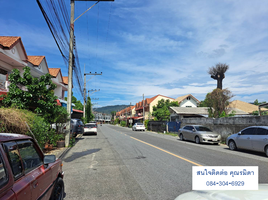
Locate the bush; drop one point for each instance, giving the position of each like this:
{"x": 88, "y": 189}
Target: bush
{"x": 123, "y": 123}
{"x": 146, "y": 123}
{"x": 116, "y": 121}
{"x": 13, "y": 121}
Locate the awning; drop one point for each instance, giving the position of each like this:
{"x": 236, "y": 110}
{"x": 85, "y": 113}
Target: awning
{"x": 79, "y": 111}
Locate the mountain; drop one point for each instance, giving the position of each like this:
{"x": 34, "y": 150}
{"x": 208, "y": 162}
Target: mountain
{"x": 109, "y": 109}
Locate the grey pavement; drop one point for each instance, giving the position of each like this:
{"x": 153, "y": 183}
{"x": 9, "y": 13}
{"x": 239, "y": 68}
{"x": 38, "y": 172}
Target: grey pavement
{"x": 94, "y": 170}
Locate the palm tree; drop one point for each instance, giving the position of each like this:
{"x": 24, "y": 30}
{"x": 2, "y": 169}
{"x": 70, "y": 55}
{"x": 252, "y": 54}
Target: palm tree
{"x": 217, "y": 72}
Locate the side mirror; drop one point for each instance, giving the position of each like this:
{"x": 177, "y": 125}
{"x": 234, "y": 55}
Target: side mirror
{"x": 239, "y": 133}
{"x": 193, "y": 130}
{"x": 49, "y": 159}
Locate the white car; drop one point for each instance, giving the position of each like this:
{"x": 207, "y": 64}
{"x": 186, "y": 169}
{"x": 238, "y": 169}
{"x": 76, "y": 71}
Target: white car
{"x": 138, "y": 127}
{"x": 260, "y": 194}
{"x": 90, "y": 128}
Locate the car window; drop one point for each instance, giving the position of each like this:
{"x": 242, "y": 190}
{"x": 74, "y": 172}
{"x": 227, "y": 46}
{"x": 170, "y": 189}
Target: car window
{"x": 30, "y": 157}
{"x": 202, "y": 128}
{"x": 261, "y": 131}
{"x": 248, "y": 131}
{"x": 3, "y": 173}
{"x": 14, "y": 158}
{"x": 139, "y": 123}
{"x": 90, "y": 125}
{"x": 186, "y": 127}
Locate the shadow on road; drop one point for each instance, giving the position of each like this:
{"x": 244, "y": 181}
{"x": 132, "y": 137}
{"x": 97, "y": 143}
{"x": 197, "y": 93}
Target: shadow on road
{"x": 76, "y": 155}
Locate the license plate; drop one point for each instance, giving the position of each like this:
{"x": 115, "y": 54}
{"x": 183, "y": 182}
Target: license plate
{"x": 214, "y": 139}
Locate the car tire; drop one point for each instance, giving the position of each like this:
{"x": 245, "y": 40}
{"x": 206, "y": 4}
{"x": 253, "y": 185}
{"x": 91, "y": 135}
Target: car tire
{"x": 232, "y": 145}
{"x": 58, "y": 191}
{"x": 197, "y": 140}
{"x": 181, "y": 137}
{"x": 266, "y": 150}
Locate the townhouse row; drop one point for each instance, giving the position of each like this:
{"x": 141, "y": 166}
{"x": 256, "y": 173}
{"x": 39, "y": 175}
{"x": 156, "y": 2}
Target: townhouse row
{"x": 13, "y": 56}
{"x": 188, "y": 108}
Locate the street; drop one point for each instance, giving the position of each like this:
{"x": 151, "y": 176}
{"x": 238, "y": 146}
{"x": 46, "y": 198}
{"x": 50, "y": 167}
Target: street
{"x": 119, "y": 163}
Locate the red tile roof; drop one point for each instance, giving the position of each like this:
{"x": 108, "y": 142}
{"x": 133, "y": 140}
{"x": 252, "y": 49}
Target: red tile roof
{"x": 8, "y": 42}
{"x": 54, "y": 71}
{"x": 65, "y": 80}
{"x": 35, "y": 60}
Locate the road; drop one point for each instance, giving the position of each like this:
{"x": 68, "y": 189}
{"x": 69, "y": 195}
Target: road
{"x": 121, "y": 164}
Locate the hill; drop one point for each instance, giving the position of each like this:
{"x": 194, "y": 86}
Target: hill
{"x": 109, "y": 109}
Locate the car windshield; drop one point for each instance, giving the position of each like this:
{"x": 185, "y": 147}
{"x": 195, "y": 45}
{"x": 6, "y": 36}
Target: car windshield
{"x": 139, "y": 123}
{"x": 90, "y": 125}
{"x": 202, "y": 128}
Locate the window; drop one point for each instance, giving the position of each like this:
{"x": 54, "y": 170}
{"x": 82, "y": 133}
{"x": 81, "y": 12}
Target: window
{"x": 188, "y": 98}
{"x": 14, "y": 158}
{"x": 3, "y": 174}
{"x": 202, "y": 128}
{"x": 30, "y": 157}
{"x": 248, "y": 131}
{"x": 261, "y": 131}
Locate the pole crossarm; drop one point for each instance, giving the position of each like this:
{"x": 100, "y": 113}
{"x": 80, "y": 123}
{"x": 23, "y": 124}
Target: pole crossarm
{"x": 87, "y": 10}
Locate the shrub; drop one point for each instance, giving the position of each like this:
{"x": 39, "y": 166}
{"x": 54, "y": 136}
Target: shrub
{"x": 13, "y": 121}
{"x": 146, "y": 123}
{"x": 123, "y": 123}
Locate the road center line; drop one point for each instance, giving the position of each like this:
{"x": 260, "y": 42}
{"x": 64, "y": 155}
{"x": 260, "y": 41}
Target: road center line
{"x": 167, "y": 152}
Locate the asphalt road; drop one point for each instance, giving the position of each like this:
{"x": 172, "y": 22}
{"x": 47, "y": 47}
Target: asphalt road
{"x": 121, "y": 164}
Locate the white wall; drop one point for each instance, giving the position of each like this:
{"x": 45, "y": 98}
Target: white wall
{"x": 188, "y": 103}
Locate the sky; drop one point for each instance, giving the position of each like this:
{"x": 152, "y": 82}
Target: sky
{"x": 155, "y": 47}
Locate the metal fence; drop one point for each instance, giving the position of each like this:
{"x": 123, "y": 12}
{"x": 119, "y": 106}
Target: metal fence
{"x": 157, "y": 126}
{"x": 174, "y": 126}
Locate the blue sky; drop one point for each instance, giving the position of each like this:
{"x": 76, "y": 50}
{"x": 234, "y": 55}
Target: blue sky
{"x": 155, "y": 47}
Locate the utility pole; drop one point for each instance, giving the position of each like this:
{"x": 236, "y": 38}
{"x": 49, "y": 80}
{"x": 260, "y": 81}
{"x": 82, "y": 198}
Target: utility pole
{"x": 70, "y": 68}
{"x": 85, "y": 86}
{"x": 143, "y": 108}
{"x": 70, "y": 76}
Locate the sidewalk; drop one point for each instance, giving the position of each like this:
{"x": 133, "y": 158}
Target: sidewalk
{"x": 60, "y": 152}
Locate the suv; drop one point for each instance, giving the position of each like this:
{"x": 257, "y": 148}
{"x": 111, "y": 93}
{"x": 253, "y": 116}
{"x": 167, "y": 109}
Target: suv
{"x": 25, "y": 172}
{"x": 77, "y": 127}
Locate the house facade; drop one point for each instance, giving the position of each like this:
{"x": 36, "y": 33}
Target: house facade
{"x": 187, "y": 101}
{"x": 13, "y": 56}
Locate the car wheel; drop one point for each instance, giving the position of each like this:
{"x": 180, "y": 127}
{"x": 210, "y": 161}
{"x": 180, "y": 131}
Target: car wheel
{"x": 197, "y": 140}
{"x": 58, "y": 191}
{"x": 266, "y": 150}
{"x": 181, "y": 137}
{"x": 232, "y": 145}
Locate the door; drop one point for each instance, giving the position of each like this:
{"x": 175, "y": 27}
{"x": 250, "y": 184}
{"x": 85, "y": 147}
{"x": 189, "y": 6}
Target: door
{"x": 244, "y": 140}
{"x": 260, "y": 139}
{"x": 22, "y": 183}
{"x": 33, "y": 166}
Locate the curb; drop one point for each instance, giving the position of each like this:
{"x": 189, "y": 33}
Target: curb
{"x": 61, "y": 153}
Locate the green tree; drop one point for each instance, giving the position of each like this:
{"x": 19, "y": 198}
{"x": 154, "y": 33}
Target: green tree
{"x": 161, "y": 110}
{"x": 217, "y": 101}
{"x": 89, "y": 114}
{"x": 77, "y": 103}
{"x": 37, "y": 95}
{"x": 113, "y": 113}
{"x": 218, "y": 73}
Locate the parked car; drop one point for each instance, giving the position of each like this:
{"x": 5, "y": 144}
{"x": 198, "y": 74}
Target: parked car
{"x": 90, "y": 128}
{"x": 77, "y": 126}
{"x": 252, "y": 138}
{"x": 260, "y": 194}
{"x": 138, "y": 127}
{"x": 199, "y": 134}
{"x": 25, "y": 172}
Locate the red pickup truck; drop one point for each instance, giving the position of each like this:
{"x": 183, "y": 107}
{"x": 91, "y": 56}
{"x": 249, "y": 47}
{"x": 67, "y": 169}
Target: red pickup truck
{"x": 26, "y": 173}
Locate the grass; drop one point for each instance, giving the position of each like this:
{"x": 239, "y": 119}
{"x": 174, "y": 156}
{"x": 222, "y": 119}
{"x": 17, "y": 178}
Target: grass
{"x": 168, "y": 133}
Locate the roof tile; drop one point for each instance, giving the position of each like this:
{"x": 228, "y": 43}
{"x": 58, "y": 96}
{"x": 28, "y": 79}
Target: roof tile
{"x": 35, "y": 60}
{"x": 54, "y": 71}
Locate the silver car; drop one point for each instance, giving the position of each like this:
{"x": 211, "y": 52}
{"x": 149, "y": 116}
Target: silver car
{"x": 252, "y": 138}
{"x": 199, "y": 134}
